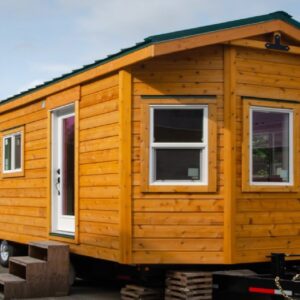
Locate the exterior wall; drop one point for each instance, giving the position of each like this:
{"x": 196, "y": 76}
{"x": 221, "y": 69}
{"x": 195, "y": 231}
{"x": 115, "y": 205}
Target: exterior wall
{"x": 178, "y": 227}
{"x": 24, "y": 202}
{"x": 99, "y": 169}
{"x": 167, "y": 227}
{"x": 266, "y": 222}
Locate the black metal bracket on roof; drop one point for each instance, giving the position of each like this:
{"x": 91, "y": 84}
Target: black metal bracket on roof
{"x": 277, "y": 44}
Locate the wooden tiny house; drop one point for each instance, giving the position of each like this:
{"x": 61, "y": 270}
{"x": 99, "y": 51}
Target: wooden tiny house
{"x": 183, "y": 149}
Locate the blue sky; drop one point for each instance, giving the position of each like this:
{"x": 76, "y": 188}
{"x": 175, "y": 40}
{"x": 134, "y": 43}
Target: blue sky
{"x": 42, "y": 39}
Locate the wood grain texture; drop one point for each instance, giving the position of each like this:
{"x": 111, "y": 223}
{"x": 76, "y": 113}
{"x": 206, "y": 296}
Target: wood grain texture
{"x": 125, "y": 100}
{"x": 230, "y": 100}
{"x": 267, "y": 218}
{"x": 25, "y": 202}
{"x": 178, "y": 224}
{"x": 118, "y": 219}
{"x": 210, "y": 38}
{"x": 99, "y": 169}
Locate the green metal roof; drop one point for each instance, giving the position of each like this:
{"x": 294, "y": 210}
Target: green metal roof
{"x": 279, "y": 15}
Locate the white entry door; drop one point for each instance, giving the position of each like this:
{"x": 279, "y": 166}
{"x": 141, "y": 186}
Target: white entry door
{"x": 63, "y": 170}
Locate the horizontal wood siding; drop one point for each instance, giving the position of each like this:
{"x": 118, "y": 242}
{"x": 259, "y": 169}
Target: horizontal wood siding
{"x": 167, "y": 227}
{"x": 23, "y": 200}
{"x": 178, "y": 227}
{"x": 266, "y": 222}
{"x": 99, "y": 170}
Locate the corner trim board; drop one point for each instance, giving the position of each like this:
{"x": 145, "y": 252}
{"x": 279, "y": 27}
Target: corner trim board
{"x": 230, "y": 103}
{"x": 125, "y": 99}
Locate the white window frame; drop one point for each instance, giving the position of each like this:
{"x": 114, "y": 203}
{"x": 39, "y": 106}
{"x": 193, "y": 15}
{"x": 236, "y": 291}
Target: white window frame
{"x": 203, "y": 147}
{"x": 60, "y": 223}
{"x": 291, "y": 145}
{"x": 13, "y": 140}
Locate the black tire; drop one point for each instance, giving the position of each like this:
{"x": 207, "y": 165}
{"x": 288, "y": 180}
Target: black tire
{"x": 6, "y": 251}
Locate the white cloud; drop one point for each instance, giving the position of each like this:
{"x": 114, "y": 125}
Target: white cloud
{"x": 52, "y": 68}
{"x": 139, "y": 17}
{"x": 143, "y": 17}
{"x": 107, "y": 26}
{"x": 29, "y": 85}
{"x": 45, "y": 38}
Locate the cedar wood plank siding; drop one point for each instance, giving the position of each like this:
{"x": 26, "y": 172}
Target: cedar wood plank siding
{"x": 24, "y": 206}
{"x": 265, "y": 222}
{"x": 116, "y": 219}
{"x": 178, "y": 227}
{"x": 166, "y": 227}
{"x": 99, "y": 169}
{"x": 23, "y": 200}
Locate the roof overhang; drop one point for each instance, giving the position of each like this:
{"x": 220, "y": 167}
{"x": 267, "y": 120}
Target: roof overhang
{"x": 115, "y": 65}
{"x": 151, "y": 50}
{"x": 226, "y": 35}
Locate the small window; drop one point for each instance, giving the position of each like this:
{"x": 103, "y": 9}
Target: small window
{"x": 271, "y": 144}
{"x": 12, "y": 143}
{"x": 178, "y": 145}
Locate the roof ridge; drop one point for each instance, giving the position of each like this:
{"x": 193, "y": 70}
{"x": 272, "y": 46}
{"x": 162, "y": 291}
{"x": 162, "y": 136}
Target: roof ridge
{"x": 281, "y": 15}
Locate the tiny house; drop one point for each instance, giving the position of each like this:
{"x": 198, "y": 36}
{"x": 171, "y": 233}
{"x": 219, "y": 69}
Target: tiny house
{"x": 183, "y": 149}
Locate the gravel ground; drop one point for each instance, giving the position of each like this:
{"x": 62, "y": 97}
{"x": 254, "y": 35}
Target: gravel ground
{"x": 87, "y": 291}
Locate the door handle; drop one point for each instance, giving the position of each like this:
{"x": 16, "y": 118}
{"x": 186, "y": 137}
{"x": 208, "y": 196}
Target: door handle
{"x": 57, "y": 184}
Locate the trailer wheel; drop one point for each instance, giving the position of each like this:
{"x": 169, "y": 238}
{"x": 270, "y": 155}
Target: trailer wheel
{"x": 6, "y": 251}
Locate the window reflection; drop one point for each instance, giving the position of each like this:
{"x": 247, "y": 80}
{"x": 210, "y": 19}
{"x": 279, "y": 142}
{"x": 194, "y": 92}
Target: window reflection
{"x": 270, "y": 146}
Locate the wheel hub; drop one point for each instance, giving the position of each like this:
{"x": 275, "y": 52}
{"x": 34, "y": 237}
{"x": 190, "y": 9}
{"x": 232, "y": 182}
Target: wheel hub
{"x": 4, "y": 251}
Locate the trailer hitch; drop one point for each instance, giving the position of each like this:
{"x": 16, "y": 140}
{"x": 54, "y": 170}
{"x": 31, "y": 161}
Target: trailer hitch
{"x": 278, "y": 264}
{"x": 258, "y": 283}
{"x": 280, "y": 288}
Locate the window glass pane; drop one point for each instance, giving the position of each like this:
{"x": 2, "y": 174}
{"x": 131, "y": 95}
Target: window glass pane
{"x": 68, "y": 166}
{"x": 18, "y": 151}
{"x": 7, "y": 154}
{"x": 270, "y": 146}
{"x": 177, "y": 164}
{"x": 178, "y": 125}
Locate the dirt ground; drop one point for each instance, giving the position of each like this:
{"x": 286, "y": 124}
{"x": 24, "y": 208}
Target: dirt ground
{"x": 83, "y": 290}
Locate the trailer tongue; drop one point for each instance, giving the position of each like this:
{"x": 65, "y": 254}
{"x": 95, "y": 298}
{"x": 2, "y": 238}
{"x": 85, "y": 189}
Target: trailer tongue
{"x": 281, "y": 283}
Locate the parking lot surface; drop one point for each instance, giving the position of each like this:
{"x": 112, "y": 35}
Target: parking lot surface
{"x": 87, "y": 290}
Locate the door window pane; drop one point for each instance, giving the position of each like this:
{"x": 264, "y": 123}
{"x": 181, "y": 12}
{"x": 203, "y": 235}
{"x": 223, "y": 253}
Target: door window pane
{"x": 68, "y": 166}
{"x": 178, "y": 164}
{"x": 7, "y": 153}
{"x": 270, "y": 146}
{"x": 178, "y": 125}
{"x": 18, "y": 151}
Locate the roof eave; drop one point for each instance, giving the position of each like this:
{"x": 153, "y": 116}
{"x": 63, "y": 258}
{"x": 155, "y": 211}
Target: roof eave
{"x": 149, "y": 50}
{"x": 226, "y": 35}
{"x": 79, "y": 78}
